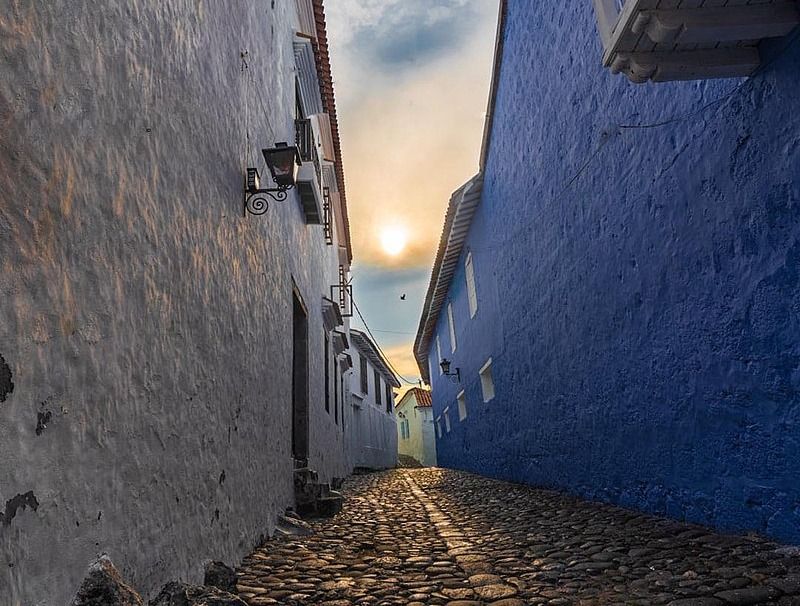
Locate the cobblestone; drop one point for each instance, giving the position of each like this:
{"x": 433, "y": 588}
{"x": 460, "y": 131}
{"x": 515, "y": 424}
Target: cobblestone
{"x": 443, "y": 537}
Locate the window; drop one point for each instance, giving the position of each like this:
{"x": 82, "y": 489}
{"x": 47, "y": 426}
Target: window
{"x": 377, "y": 387}
{"x": 364, "y": 386}
{"x": 487, "y": 383}
{"x": 408, "y": 429}
{"x": 389, "y": 398}
{"x": 472, "y": 294}
{"x": 405, "y": 430}
{"x": 439, "y": 353}
{"x": 446, "y": 415}
{"x": 341, "y": 391}
{"x": 452, "y": 327}
{"x": 439, "y": 427}
{"x": 462, "y": 406}
{"x": 336, "y": 391}
{"x": 327, "y": 375}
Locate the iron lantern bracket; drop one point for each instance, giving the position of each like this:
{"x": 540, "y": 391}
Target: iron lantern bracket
{"x": 255, "y": 197}
{"x": 455, "y": 377}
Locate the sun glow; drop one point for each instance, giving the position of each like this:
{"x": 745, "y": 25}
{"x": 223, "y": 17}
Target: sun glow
{"x": 394, "y": 239}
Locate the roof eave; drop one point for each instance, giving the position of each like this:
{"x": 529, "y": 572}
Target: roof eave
{"x": 329, "y": 104}
{"x": 430, "y": 316}
{"x": 375, "y": 355}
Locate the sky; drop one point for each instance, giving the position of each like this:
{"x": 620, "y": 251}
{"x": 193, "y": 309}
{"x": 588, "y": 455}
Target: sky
{"x": 412, "y": 82}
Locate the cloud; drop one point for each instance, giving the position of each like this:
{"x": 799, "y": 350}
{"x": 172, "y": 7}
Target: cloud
{"x": 348, "y": 19}
{"x": 412, "y": 82}
{"x": 377, "y": 293}
{"x": 410, "y": 137}
{"x": 409, "y": 33}
{"x": 403, "y": 360}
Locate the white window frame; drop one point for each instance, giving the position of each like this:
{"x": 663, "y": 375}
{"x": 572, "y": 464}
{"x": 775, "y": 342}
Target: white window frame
{"x": 461, "y": 398}
{"x": 472, "y": 293}
{"x": 439, "y": 426}
{"x": 446, "y": 415}
{"x": 439, "y": 353}
{"x": 452, "y": 325}
{"x": 487, "y": 381}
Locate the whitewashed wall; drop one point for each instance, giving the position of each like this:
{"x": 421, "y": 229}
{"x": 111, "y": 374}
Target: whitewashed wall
{"x": 144, "y": 321}
{"x": 372, "y": 433}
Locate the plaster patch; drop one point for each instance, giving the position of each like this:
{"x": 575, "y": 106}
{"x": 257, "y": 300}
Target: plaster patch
{"x": 21, "y": 501}
{"x": 6, "y": 384}
{"x": 42, "y": 419}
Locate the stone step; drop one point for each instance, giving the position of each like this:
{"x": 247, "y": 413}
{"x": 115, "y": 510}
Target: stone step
{"x": 314, "y": 498}
{"x": 329, "y": 506}
{"x": 305, "y": 475}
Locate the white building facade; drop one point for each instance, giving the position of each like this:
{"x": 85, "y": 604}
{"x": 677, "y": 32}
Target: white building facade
{"x": 166, "y": 356}
{"x": 372, "y": 430}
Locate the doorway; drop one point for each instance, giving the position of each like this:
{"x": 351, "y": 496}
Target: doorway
{"x": 299, "y": 378}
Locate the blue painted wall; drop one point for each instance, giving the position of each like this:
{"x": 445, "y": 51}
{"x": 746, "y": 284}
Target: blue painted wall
{"x": 645, "y": 323}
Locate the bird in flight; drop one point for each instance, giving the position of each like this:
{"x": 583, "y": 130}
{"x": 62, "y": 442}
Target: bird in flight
{"x": 403, "y": 297}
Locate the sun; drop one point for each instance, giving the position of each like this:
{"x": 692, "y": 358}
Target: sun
{"x": 394, "y": 239}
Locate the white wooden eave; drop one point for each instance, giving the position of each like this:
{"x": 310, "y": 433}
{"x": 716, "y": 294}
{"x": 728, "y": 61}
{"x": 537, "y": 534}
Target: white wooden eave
{"x": 663, "y": 40}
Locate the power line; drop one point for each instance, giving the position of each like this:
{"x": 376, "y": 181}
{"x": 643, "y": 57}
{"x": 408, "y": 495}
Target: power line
{"x": 607, "y": 136}
{"x": 375, "y": 341}
{"x": 393, "y": 332}
{"x": 567, "y": 184}
{"x": 749, "y": 80}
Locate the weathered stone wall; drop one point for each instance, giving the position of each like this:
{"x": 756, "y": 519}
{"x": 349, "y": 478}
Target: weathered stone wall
{"x": 643, "y": 318}
{"x": 145, "y": 325}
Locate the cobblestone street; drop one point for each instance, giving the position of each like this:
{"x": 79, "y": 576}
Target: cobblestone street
{"x": 435, "y": 536}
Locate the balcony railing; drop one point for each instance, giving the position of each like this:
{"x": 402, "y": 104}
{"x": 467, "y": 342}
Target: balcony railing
{"x": 327, "y": 216}
{"x": 304, "y": 138}
{"x": 309, "y": 176}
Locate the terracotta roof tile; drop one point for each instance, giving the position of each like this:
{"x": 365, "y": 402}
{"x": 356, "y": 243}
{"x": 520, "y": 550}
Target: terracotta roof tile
{"x": 329, "y": 105}
{"x": 422, "y": 396}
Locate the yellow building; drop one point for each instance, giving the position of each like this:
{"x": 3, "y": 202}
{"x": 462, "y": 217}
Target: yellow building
{"x": 415, "y": 427}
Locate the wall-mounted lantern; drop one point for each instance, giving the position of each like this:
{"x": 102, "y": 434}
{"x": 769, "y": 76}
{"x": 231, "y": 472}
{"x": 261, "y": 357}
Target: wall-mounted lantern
{"x": 282, "y": 161}
{"x": 455, "y": 377}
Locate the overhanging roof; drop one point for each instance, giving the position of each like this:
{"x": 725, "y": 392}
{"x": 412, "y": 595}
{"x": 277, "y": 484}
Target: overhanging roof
{"x": 365, "y": 345}
{"x": 422, "y": 398}
{"x": 457, "y": 222}
{"x": 329, "y": 106}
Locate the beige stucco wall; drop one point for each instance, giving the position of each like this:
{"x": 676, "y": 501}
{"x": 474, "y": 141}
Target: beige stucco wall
{"x": 421, "y": 443}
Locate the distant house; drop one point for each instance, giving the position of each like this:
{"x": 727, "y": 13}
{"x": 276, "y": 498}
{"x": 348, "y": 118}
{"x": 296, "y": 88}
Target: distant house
{"x": 372, "y": 436}
{"x": 415, "y": 431}
{"x": 616, "y": 290}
